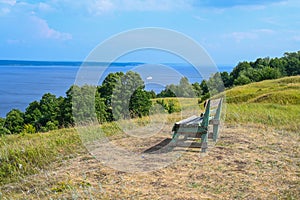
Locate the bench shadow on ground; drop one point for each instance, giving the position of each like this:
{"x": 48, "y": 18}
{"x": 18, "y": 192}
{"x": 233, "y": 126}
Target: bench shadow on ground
{"x": 166, "y": 146}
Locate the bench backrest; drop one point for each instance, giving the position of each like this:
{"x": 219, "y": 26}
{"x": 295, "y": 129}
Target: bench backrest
{"x": 212, "y": 111}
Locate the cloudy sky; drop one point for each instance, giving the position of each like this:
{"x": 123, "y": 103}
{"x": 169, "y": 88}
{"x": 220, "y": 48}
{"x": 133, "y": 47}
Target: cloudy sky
{"x": 229, "y": 30}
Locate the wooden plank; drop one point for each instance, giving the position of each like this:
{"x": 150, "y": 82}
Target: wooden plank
{"x": 187, "y": 120}
{"x": 214, "y": 103}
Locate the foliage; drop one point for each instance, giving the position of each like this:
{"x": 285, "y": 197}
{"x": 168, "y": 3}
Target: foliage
{"x": 263, "y": 69}
{"x": 124, "y": 98}
{"x": 184, "y": 89}
{"x": 29, "y": 128}
{"x": 14, "y": 121}
{"x": 171, "y": 105}
{"x": 140, "y": 104}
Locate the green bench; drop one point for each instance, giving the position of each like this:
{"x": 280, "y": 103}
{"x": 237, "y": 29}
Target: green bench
{"x": 198, "y": 126}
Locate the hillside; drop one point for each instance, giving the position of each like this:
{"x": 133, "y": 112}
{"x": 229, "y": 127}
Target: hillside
{"x": 273, "y": 103}
{"x": 257, "y": 156}
{"x": 284, "y": 91}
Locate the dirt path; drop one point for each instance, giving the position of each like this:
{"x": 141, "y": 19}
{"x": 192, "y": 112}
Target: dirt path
{"x": 248, "y": 162}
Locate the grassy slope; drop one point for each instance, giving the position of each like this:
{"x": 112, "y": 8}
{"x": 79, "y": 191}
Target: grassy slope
{"x": 273, "y": 103}
{"x": 247, "y": 160}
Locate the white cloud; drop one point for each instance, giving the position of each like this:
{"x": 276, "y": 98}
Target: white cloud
{"x": 100, "y": 6}
{"x": 4, "y": 11}
{"x": 44, "y": 31}
{"x": 152, "y": 5}
{"x": 200, "y": 18}
{"x": 251, "y": 35}
{"x": 9, "y": 2}
{"x": 44, "y": 7}
{"x": 264, "y": 31}
{"x": 296, "y": 38}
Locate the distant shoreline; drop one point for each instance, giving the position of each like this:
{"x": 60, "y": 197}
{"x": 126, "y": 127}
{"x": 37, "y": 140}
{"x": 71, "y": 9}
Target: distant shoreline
{"x": 79, "y": 63}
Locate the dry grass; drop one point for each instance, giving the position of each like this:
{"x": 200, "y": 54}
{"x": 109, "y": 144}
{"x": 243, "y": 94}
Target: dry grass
{"x": 251, "y": 162}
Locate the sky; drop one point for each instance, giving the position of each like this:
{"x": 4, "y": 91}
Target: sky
{"x": 68, "y": 30}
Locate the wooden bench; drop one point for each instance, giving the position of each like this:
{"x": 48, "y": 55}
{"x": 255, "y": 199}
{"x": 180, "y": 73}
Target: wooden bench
{"x": 198, "y": 126}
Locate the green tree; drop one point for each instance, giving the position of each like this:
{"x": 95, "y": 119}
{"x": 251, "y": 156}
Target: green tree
{"x": 270, "y": 73}
{"x": 197, "y": 89}
{"x": 166, "y": 93}
{"x": 124, "y": 89}
{"x": 33, "y": 115}
{"x": 242, "y": 80}
{"x": 65, "y": 116}
{"x": 204, "y": 87}
{"x": 140, "y": 103}
{"x": 226, "y": 79}
{"x": 100, "y": 108}
{"x": 49, "y": 108}
{"x": 152, "y": 94}
{"x": 215, "y": 84}
{"x": 83, "y": 104}
{"x": 108, "y": 86}
{"x": 242, "y": 66}
{"x": 185, "y": 89}
{"x": 106, "y": 90}
{"x": 14, "y": 121}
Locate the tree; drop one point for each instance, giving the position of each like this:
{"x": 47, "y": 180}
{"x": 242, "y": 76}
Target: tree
{"x": 185, "y": 89}
{"x": 14, "y": 121}
{"x": 152, "y": 94}
{"x": 140, "y": 103}
{"x": 204, "y": 87}
{"x": 33, "y": 115}
{"x": 166, "y": 93}
{"x": 49, "y": 109}
{"x": 122, "y": 93}
{"x": 83, "y": 104}
{"x": 65, "y": 116}
{"x": 226, "y": 79}
{"x": 242, "y": 66}
{"x": 215, "y": 84}
{"x": 106, "y": 90}
{"x": 242, "y": 80}
{"x": 108, "y": 86}
{"x": 197, "y": 89}
{"x": 293, "y": 66}
{"x": 100, "y": 108}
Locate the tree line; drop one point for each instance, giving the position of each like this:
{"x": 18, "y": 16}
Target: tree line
{"x": 244, "y": 73}
{"x": 123, "y": 96}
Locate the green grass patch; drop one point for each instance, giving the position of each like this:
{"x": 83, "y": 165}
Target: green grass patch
{"x": 283, "y": 117}
{"x": 21, "y": 155}
{"x": 281, "y": 91}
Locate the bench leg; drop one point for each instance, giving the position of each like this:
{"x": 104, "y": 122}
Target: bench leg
{"x": 175, "y": 139}
{"x": 204, "y": 145}
{"x": 215, "y": 132}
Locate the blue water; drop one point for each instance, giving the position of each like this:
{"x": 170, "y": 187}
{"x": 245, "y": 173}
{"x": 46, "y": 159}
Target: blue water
{"x": 24, "y": 82}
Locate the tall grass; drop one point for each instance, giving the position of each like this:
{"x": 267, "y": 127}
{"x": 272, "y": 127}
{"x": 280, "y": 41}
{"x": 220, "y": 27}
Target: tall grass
{"x": 21, "y": 155}
{"x": 282, "y": 117}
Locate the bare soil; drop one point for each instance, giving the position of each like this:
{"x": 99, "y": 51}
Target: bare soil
{"x": 248, "y": 162}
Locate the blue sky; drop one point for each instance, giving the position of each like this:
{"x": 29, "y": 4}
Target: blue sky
{"x": 230, "y": 31}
